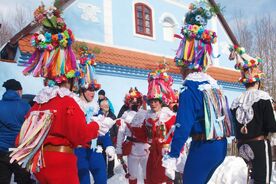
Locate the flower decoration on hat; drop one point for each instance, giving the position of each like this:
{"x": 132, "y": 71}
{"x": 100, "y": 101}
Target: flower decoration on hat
{"x": 248, "y": 66}
{"x": 195, "y": 49}
{"x": 160, "y": 85}
{"x": 87, "y": 79}
{"x": 53, "y": 58}
{"x": 133, "y": 96}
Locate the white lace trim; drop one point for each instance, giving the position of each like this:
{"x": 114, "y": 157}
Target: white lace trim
{"x": 203, "y": 87}
{"x": 48, "y": 93}
{"x": 201, "y": 77}
{"x": 139, "y": 118}
{"x": 87, "y": 106}
{"x": 164, "y": 114}
{"x": 245, "y": 113}
{"x": 249, "y": 97}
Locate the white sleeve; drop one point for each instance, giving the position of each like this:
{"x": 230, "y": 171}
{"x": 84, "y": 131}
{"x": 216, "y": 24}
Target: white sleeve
{"x": 105, "y": 123}
{"x": 121, "y": 137}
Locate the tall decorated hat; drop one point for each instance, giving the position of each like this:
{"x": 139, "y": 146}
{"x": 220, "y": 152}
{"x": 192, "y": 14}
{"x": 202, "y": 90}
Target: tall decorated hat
{"x": 248, "y": 66}
{"x": 195, "y": 49}
{"x": 53, "y": 57}
{"x": 133, "y": 96}
{"x": 160, "y": 85}
{"x": 87, "y": 78}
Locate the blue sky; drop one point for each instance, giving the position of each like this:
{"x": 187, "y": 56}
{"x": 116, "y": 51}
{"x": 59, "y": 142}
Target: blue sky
{"x": 250, "y": 10}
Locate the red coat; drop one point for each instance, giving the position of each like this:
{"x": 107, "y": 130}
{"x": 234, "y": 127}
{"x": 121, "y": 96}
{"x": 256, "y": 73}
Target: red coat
{"x": 69, "y": 127}
{"x": 155, "y": 170}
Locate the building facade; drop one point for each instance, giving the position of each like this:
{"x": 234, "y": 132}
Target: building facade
{"x": 133, "y": 37}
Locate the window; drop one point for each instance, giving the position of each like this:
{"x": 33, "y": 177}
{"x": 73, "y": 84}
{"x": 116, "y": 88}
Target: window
{"x": 143, "y": 19}
{"x": 168, "y": 29}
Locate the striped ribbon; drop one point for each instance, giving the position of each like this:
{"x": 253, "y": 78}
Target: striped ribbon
{"x": 29, "y": 153}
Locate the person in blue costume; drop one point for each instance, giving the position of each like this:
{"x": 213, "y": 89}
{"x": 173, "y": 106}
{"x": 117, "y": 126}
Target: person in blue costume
{"x": 91, "y": 159}
{"x": 203, "y": 111}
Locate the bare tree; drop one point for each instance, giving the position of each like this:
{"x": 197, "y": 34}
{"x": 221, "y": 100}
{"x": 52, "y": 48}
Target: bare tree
{"x": 265, "y": 47}
{"x": 260, "y": 41}
{"x": 6, "y": 30}
{"x": 243, "y": 32}
{"x": 11, "y": 24}
{"x": 21, "y": 18}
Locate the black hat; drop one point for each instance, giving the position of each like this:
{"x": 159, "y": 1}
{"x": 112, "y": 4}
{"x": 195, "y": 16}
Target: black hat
{"x": 101, "y": 92}
{"x": 12, "y": 84}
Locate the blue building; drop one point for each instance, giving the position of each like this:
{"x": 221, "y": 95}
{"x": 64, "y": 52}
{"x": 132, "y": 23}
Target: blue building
{"x": 133, "y": 36}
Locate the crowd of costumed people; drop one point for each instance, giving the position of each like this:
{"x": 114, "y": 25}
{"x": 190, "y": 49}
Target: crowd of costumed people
{"x": 164, "y": 136}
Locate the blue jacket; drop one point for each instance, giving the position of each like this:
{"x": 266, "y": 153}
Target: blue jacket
{"x": 190, "y": 115}
{"x": 12, "y": 112}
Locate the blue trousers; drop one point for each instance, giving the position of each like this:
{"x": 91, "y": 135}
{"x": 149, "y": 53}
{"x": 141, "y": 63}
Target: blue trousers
{"x": 90, "y": 161}
{"x": 203, "y": 159}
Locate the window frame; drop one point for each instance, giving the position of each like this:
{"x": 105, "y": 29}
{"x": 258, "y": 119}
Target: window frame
{"x": 144, "y": 8}
{"x": 165, "y": 28}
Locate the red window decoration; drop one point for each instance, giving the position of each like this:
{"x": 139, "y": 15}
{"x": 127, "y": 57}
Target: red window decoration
{"x": 143, "y": 19}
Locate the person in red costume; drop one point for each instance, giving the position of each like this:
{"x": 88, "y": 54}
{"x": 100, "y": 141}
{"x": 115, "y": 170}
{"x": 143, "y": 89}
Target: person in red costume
{"x": 68, "y": 130}
{"x": 131, "y": 131}
{"x": 159, "y": 123}
{"x": 47, "y": 151}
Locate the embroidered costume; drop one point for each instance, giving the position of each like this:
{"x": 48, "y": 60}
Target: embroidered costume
{"x": 91, "y": 159}
{"x": 198, "y": 117}
{"x": 203, "y": 111}
{"x": 131, "y": 129}
{"x": 67, "y": 130}
{"x": 132, "y": 132}
{"x": 254, "y": 119}
{"x": 56, "y": 123}
{"x": 160, "y": 128}
{"x": 159, "y": 125}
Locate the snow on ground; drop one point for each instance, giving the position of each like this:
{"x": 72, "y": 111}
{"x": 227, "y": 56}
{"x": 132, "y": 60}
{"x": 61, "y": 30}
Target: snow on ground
{"x": 232, "y": 171}
{"x": 235, "y": 166}
{"x": 119, "y": 177}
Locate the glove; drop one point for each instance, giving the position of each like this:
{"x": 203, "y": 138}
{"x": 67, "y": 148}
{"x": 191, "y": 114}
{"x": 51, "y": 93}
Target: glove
{"x": 104, "y": 123}
{"x": 180, "y": 162}
{"x": 169, "y": 164}
{"x": 110, "y": 152}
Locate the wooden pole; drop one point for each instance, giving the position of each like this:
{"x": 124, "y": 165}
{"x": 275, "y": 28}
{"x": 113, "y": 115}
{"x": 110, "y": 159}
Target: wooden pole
{"x": 225, "y": 24}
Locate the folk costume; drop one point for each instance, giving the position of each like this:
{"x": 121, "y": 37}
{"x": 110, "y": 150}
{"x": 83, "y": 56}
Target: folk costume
{"x": 56, "y": 123}
{"x": 203, "y": 112}
{"x": 131, "y": 138}
{"x": 159, "y": 125}
{"x": 254, "y": 119}
{"x": 91, "y": 159}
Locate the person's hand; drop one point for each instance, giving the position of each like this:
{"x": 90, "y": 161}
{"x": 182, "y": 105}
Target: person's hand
{"x": 169, "y": 164}
{"x": 110, "y": 152}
